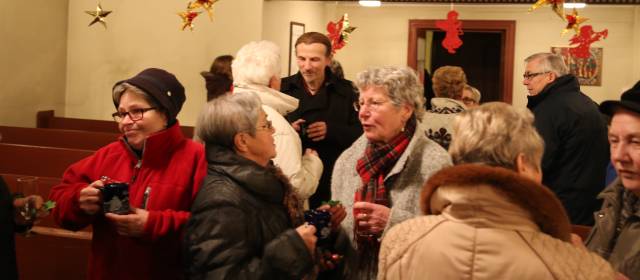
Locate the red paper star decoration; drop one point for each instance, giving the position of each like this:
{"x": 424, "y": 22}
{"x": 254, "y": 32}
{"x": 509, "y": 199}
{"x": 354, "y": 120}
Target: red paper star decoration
{"x": 556, "y": 6}
{"x": 207, "y": 5}
{"x": 584, "y": 39}
{"x": 187, "y": 19}
{"x": 573, "y": 22}
{"x": 339, "y": 33}
{"x": 453, "y": 27}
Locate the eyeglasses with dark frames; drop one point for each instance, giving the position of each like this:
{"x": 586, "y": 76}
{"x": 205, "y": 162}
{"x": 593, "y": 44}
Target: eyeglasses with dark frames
{"x": 134, "y": 114}
{"x": 529, "y": 76}
{"x": 267, "y": 126}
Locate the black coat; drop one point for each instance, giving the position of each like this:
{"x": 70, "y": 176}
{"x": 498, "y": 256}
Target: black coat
{"x": 332, "y": 104}
{"x": 8, "y": 268}
{"x": 576, "y": 150}
{"x": 239, "y": 228}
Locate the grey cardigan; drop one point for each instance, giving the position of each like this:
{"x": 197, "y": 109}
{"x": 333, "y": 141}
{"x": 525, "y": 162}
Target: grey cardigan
{"x": 422, "y": 158}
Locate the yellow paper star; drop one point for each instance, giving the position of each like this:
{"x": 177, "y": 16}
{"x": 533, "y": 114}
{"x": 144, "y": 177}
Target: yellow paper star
{"x": 98, "y": 16}
{"x": 573, "y": 22}
{"x": 205, "y": 4}
{"x": 556, "y": 6}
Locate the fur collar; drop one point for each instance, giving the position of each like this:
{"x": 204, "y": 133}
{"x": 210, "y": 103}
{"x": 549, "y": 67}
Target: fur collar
{"x": 542, "y": 205}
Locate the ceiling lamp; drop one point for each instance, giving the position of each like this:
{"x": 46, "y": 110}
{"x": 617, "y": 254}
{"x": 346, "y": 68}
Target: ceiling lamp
{"x": 574, "y": 5}
{"x": 369, "y": 3}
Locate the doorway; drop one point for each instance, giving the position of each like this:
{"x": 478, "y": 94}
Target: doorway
{"x": 486, "y": 55}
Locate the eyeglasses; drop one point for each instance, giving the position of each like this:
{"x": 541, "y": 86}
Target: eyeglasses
{"x": 468, "y": 101}
{"x": 529, "y": 76}
{"x": 267, "y": 126}
{"x": 373, "y": 105}
{"x": 134, "y": 115}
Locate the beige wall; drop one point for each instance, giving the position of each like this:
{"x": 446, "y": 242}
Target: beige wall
{"x": 144, "y": 34}
{"x": 33, "y": 44}
{"x": 382, "y": 34}
{"x": 278, "y": 15}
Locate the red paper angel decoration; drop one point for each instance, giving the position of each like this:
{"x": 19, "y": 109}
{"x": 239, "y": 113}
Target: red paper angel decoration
{"x": 584, "y": 39}
{"x": 573, "y": 22}
{"x": 339, "y": 33}
{"x": 453, "y": 27}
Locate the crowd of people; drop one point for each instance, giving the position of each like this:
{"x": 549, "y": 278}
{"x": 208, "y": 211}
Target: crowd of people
{"x": 460, "y": 191}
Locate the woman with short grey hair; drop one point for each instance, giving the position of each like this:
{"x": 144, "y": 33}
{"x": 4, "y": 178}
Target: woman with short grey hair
{"x": 256, "y": 68}
{"x": 246, "y": 220}
{"x": 377, "y": 179}
{"x": 489, "y": 217}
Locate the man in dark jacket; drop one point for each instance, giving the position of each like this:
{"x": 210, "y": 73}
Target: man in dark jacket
{"x": 576, "y": 150}
{"x": 325, "y": 118}
{"x": 616, "y": 234}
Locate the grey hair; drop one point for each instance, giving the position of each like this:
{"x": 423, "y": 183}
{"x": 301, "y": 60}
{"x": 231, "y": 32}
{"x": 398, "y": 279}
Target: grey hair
{"x": 495, "y": 133}
{"x": 401, "y": 84}
{"x": 549, "y": 62}
{"x": 121, "y": 88}
{"x": 475, "y": 93}
{"x": 256, "y": 63}
{"x": 225, "y": 116}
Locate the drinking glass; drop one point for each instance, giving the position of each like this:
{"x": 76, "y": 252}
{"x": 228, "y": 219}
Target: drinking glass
{"x": 28, "y": 186}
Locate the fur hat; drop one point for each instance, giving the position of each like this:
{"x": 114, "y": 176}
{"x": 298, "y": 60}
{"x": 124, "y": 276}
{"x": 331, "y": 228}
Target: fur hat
{"x": 162, "y": 86}
{"x": 630, "y": 100}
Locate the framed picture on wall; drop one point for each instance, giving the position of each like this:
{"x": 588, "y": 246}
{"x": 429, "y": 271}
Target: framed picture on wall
{"x": 587, "y": 70}
{"x": 295, "y": 30}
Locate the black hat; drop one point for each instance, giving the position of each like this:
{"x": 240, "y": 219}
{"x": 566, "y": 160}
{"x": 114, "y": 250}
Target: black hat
{"x": 630, "y": 100}
{"x": 162, "y": 86}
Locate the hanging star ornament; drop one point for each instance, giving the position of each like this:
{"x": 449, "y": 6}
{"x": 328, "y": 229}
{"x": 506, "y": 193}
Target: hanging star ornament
{"x": 98, "y": 15}
{"x": 573, "y": 22}
{"x": 339, "y": 32}
{"x": 207, "y": 5}
{"x": 556, "y": 6}
{"x": 187, "y": 19}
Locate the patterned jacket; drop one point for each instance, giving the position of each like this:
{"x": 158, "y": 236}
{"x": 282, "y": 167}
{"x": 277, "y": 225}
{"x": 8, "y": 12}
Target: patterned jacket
{"x": 438, "y": 121}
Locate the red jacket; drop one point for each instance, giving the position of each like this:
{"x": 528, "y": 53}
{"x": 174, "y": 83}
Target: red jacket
{"x": 173, "y": 167}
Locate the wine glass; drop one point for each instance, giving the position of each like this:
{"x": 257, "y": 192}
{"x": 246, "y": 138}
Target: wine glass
{"x": 28, "y": 186}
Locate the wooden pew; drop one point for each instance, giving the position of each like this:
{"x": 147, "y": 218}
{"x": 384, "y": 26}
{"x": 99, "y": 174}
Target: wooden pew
{"x": 50, "y": 252}
{"x": 73, "y": 139}
{"x": 38, "y": 160}
{"x": 47, "y": 119}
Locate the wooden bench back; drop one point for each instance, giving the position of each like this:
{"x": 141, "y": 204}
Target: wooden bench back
{"x": 38, "y": 160}
{"x": 46, "y": 119}
{"x": 73, "y": 139}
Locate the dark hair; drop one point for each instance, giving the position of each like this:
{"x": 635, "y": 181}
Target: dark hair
{"x": 315, "y": 37}
{"x": 219, "y": 78}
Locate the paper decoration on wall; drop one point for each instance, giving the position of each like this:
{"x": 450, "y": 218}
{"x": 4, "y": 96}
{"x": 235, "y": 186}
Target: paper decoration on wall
{"x": 207, "y": 5}
{"x": 584, "y": 39}
{"x": 193, "y": 11}
{"x": 339, "y": 32}
{"x": 556, "y": 5}
{"x": 187, "y": 19}
{"x": 453, "y": 28}
{"x": 98, "y": 15}
{"x": 573, "y": 22}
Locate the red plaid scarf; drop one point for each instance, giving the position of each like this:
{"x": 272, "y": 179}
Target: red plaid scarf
{"x": 375, "y": 164}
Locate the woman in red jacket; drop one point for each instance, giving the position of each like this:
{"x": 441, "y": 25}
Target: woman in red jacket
{"x": 164, "y": 171}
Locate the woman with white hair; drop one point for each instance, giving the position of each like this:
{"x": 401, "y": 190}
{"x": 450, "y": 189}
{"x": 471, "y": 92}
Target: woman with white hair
{"x": 378, "y": 178}
{"x": 246, "y": 221}
{"x": 256, "y": 68}
{"x": 489, "y": 217}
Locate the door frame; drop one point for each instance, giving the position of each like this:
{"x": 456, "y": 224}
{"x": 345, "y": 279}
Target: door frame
{"x": 505, "y": 27}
